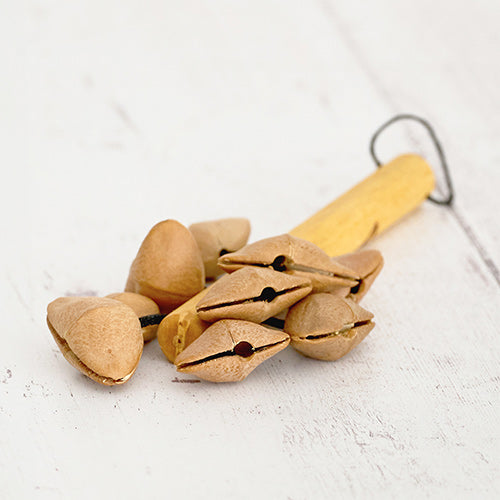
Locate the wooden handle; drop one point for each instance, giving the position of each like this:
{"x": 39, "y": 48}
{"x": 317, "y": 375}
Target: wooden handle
{"x": 341, "y": 227}
{"x": 370, "y": 207}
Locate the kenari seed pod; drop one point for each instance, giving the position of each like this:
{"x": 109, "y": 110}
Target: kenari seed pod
{"x": 292, "y": 256}
{"x": 252, "y": 294}
{"x": 168, "y": 268}
{"x": 218, "y": 237}
{"x": 101, "y": 337}
{"x": 229, "y": 350}
{"x": 142, "y": 306}
{"x": 367, "y": 264}
{"x": 324, "y": 326}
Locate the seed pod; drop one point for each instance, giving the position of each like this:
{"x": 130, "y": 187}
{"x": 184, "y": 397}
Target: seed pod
{"x": 168, "y": 267}
{"x": 293, "y": 256}
{"x": 252, "y": 294}
{"x": 142, "y": 306}
{"x": 218, "y": 237}
{"x": 181, "y": 328}
{"x": 367, "y": 264}
{"x": 229, "y": 350}
{"x": 101, "y": 337}
{"x": 323, "y": 326}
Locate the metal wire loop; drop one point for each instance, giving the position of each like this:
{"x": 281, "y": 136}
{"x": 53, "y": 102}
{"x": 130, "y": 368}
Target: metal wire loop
{"x": 444, "y": 165}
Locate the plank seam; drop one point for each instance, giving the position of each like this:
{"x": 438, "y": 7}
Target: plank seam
{"x": 474, "y": 240}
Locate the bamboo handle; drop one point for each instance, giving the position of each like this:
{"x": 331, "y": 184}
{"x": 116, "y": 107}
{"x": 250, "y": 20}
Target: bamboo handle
{"x": 341, "y": 227}
{"x": 370, "y": 207}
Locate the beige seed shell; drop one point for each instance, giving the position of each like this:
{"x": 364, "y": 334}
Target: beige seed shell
{"x": 168, "y": 267}
{"x": 367, "y": 264}
{"x": 101, "y": 337}
{"x": 223, "y": 336}
{"x": 219, "y": 235}
{"x": 297, "y": 251}
{"x": 247, "y": 283}
{"x": 142, "y": 306}
{"x": 321, "y": 314}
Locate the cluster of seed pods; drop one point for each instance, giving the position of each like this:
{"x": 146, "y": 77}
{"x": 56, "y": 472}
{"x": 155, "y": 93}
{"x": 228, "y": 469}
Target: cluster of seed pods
{"x": 276, "y": 292}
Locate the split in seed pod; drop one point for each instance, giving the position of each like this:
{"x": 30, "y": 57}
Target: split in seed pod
{"x": 229, "y": 350}
{"x": 324, "y": 326}
{"x": 367, "y": 264}
{"x": 168, "y": 268}
{"x": 101, "y": 337}
{"x": 252, "y": 294}
{"x": 219, "y": 237}
{"x": 142, "y": 306}
{"x": 292, "y": 256}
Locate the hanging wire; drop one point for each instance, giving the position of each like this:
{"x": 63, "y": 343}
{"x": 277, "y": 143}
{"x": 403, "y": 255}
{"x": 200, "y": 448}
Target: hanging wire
{"x": 444, "y": 165}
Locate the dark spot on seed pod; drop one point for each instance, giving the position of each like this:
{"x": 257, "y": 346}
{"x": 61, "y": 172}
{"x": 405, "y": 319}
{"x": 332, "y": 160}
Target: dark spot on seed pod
{"x": 243, "y": 349}
{"x": 279, "y": 263}
{"x": 268, "y": 294}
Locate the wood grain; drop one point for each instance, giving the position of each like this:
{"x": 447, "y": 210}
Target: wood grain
{"x": 370, "y": 207}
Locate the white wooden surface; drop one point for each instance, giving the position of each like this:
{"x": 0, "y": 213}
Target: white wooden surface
{"x": 115, "y": 115}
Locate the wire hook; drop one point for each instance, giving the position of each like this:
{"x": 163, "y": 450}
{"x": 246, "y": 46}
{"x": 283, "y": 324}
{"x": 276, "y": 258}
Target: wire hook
{"x": 444, "y": 165}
